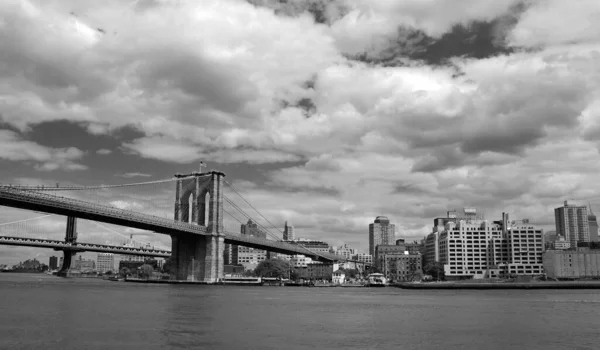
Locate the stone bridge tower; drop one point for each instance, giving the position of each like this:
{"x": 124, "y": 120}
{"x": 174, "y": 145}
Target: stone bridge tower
{"x": 199, "y": 257}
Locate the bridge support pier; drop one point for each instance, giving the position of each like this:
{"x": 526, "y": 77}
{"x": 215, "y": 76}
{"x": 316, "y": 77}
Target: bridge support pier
{"x": 66, "y": 265}
{"x": 70, "y": 237}
{"x": 197, "y": 258}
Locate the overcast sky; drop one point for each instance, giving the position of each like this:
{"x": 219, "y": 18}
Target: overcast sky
{"x": 323, "y": 113}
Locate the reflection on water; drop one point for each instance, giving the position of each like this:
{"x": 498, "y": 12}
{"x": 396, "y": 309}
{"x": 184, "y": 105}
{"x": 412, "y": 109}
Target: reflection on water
{"x": 40, "y": 311}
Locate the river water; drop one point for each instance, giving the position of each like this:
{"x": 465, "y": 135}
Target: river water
{"x": 48, "y": 312}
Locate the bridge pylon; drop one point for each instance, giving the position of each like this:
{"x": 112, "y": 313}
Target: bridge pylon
{"x": 68, "y": 254}
{"x": 199, "y": 257}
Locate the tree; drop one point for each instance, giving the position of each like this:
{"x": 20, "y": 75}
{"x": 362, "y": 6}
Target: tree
{"x": 167, "y": 266}
{"x": 124, "y": 272}
{"x": 272, "y": 268}
{"x": 350, "y": 273}
{"x": 435, "y": 269}
{"x": 146, "y": 271}
{"x": 249, "y": 273}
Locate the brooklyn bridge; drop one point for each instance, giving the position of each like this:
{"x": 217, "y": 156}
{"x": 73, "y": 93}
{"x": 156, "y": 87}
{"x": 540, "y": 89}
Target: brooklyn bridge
{"x": 191, "y": 213}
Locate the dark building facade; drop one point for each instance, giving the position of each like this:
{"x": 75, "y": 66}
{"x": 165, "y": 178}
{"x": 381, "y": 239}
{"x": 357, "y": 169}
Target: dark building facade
{"x": 53, "y": 263}
{"x": 593, "y": 224}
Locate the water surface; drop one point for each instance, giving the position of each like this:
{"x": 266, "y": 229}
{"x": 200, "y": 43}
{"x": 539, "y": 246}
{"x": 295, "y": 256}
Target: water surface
{"x": 47, "y": 312}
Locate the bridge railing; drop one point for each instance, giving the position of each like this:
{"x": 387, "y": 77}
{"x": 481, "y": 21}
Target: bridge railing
{"x": 75, "y": 204}
{"x": 85, "y": 246}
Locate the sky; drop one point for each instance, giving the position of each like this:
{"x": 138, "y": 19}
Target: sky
{"x": 323, "y": 113}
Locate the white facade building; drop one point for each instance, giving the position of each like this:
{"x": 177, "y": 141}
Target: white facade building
{"x": 105, "y": 262}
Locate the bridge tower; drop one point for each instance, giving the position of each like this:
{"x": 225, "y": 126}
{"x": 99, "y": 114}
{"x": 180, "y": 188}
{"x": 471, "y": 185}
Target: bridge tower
{"x": 199, "y": 257}
{"x": 70, "y": 237}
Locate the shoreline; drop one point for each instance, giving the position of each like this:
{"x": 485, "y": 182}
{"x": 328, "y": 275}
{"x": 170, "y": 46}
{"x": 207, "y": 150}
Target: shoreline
{"x": 501, "y": 285}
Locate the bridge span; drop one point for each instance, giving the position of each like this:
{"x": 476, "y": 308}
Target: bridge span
{"x": 83, "y": 247}
{"x": 196, "y": 249}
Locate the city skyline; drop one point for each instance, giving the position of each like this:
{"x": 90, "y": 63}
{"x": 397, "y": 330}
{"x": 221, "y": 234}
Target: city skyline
{"x": 316, "y": 113}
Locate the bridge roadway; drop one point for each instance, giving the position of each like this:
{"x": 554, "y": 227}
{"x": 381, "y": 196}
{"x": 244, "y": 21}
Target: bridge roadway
{"x": 87, "y": 247}
{"x": 43, "y": 202}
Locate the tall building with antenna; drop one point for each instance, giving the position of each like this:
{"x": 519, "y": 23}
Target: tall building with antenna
{"x": 593, "y": 224}
{"x": 572, "y": 223}
{"x": 288, "y": 232}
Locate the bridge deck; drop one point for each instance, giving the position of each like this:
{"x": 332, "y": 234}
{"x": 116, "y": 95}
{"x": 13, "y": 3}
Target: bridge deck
{"x": 88, "y": 247}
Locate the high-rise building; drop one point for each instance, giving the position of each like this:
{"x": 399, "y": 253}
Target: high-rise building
{"x": 381, "y": 232}
{"x": 53, "y": 263}
{"x": 252, "y": 229}
{"x": 593, "y": 225}
{"x": 472, "y": 246}
{"x": 345, "y": 251}
{"x": 246, "y": 256}
{"x": 572, "y": 223}
{"x": 288, "y": 232}
{"x": 105, "y": 262}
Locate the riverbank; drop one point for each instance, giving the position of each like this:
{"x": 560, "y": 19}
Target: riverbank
{"x": 239, "y": 283}
{"x": 500, "y": 285}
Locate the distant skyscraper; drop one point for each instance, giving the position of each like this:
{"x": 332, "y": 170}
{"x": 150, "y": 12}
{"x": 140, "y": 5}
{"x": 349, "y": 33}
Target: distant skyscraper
{"x": 251, "y": 229}
{"x": 288, "y": 232}
{"x": 381, "y": 232}
{"x": 572, "y": 223}
{"x": 593, "y": 224}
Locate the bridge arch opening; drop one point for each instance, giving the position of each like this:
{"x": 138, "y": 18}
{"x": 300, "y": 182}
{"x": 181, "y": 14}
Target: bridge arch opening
{"x": 206, "y": 209}
{"x": 190, "y": 205}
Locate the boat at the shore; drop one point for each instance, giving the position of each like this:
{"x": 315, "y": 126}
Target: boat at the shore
{"x": 376, "y": 280}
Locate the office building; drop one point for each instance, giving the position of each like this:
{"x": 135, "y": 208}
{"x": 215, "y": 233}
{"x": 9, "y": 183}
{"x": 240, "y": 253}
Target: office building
{"x": 314, "y": 246}
{"x": 593, "y": 225}
{"x": 385, "y": 249}
{"x": 475, "y": 248}
{"x": 572, "y": 223}
{"x": 401, "y": 267}
{"x": 83, "y": 265}
{"x": 105, "y": 262}
{"x": 519, "y": 252}
{"x": 560, "y": 243}
{"x": 345, "y": 251}
{"x": 288, "y": 232}
{"x": 252, "y": 229}
{"x": 381, "y": 232}
{"x": 246, "y": 256}
{"x": 363, "y": 258}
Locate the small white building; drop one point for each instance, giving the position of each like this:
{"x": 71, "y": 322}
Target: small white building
{"x": 338, "y": 277}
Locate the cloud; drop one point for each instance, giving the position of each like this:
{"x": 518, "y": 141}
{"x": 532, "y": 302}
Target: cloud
{"x": 556, "y": 22}
{"x": 331, "y": 112}
{"x": 170, "y": 150}
{"x": 103, "y": 151}
{"x": 127, "y": 175}
{"x": 14, "y": 148}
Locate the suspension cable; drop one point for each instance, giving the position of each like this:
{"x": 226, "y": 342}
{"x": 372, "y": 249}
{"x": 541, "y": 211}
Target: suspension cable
{"x": 117, "y": 232}
{"x": 250, "y": 218}
{"x": 251, "y": 206}
{"x": 278, "y": 239}
{"x": 19, "y": 221}
{"x": 82, "y": 188}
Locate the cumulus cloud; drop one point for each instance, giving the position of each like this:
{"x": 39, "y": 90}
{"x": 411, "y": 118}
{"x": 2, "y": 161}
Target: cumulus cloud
{"x": 282, "y": 86}
{"x": 14, "y": 148}
{"x": 127, "y": 175}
